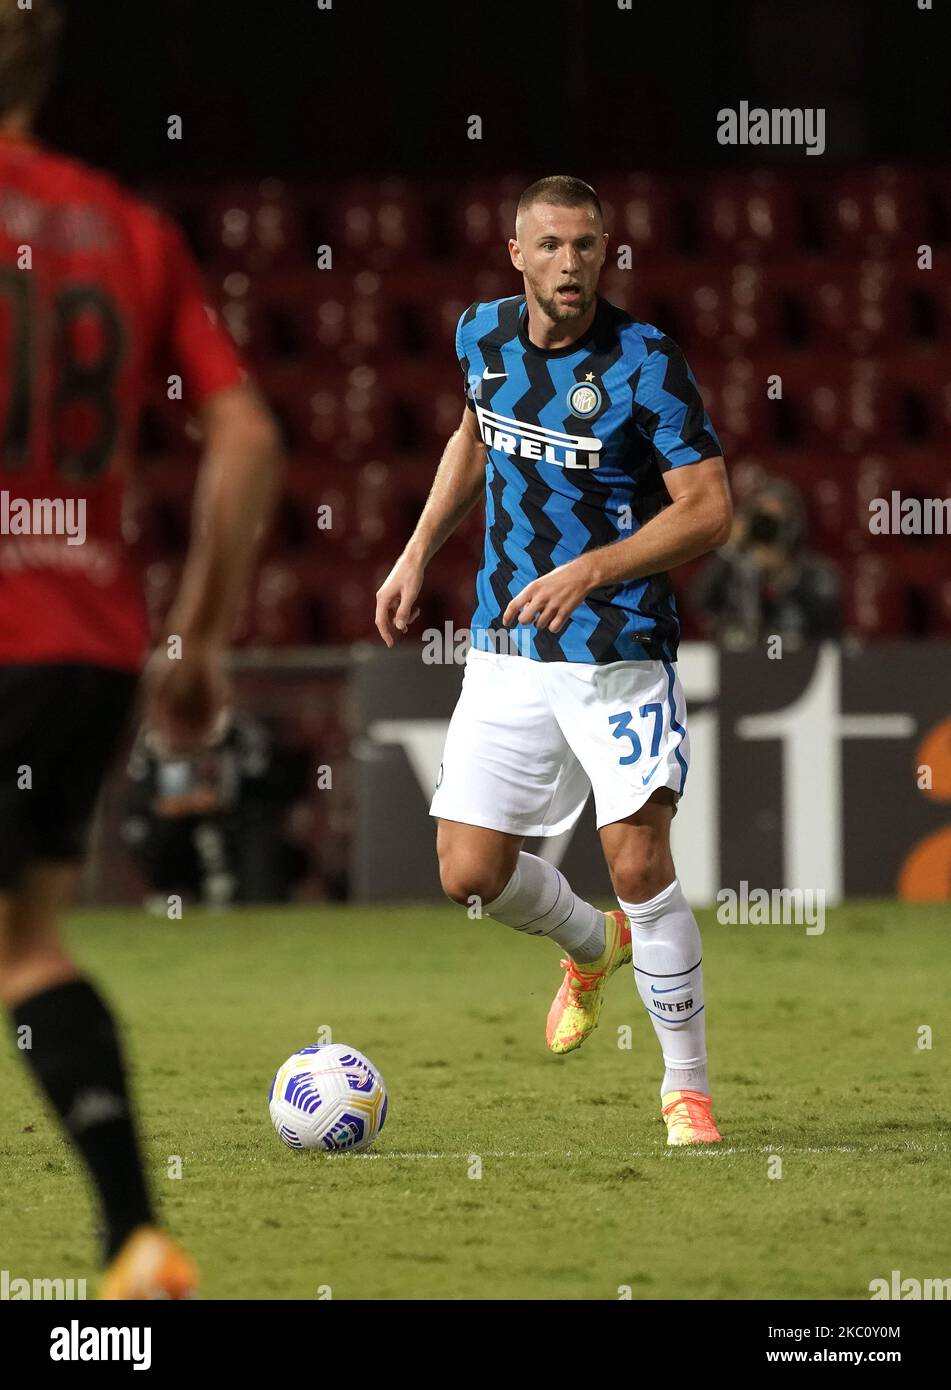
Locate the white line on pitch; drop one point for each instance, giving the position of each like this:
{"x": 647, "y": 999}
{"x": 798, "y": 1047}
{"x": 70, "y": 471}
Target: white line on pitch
{"x": 698, "y": 1150}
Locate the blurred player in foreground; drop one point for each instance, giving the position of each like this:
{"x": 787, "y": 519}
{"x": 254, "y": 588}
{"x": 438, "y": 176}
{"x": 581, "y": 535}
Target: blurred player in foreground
{"x": 98, "y": 298}
{"x": 584, "y": 433}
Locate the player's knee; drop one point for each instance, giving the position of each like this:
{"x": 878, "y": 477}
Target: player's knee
{"x": 638, "y": 878}
{"x": 465, "y": 881}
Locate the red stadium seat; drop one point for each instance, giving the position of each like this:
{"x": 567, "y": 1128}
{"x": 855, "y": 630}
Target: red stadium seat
{"x": 875, "y": 212}
{"x": 875, "y": 599}
{"x": 482, "y": 219}
{"x": 749, "y": 216}
{"x": 640, "y": 212}
{"x": 912, "y": 472}
{"x": 325, "y": 316}
{"x": 158, "y": 508}
{"x": 343, "y": 595}
{"x": 328, "y": 415}
{"x": 253, "y": 227}
{"x": 708, "y": 311}
{"x": 376, "y": 226}
{"x": 736, "y": 401}
{"x": 430, "y": 303}
{"x": 860, "y": 309}
{"x": 336, "y": 317}
{"x": 278, "y": 612}
{"x": 429, "y": 401}
{"x": 835, "y": 403}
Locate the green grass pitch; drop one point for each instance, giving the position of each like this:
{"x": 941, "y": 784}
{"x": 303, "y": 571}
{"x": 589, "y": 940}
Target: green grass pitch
{"x": 814, "y": 1053}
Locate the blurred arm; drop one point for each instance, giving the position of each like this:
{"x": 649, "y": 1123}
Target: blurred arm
{"x": 235, "y": 494}
{"x": 186, "y": 690}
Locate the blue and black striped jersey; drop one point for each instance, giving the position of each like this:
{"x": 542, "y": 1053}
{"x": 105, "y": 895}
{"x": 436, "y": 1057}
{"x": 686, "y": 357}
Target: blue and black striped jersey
{"x": 577, "y": 441}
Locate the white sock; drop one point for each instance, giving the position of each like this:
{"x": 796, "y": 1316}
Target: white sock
{"x": 538, "y": 900}
{"x": 669, "y": 979}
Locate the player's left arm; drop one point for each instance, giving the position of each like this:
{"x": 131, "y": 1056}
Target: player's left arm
{"x": 698, "y": 519}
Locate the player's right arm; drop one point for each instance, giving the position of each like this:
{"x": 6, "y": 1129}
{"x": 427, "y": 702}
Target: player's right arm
{"x": 458, "y": 485}
{"x": 235, "y": 494}
{"x": 236, "y": 490}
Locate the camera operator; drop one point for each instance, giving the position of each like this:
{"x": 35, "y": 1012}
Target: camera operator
{"x": 764, "y": 582}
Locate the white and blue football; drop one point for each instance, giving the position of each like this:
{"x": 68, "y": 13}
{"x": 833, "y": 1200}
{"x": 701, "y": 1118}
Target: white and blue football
{"x": 328, "y": 1097}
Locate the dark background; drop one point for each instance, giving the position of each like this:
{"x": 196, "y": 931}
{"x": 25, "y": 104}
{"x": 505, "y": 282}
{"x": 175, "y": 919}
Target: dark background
{"x": 369, "y": 88}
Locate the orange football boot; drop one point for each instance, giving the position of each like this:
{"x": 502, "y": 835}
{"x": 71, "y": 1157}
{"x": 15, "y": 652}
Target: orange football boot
{"x": 577, "y": 1005}
{"x": 688, "y": 1116}
{"x": 149, "y": 1265}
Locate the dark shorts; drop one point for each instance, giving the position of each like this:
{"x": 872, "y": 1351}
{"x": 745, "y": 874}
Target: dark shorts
{"x": 59, "y": 729}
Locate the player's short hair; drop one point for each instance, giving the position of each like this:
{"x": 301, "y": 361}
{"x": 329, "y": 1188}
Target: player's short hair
{"x": 29, "y": 49}
{"x": 560, "y": 191}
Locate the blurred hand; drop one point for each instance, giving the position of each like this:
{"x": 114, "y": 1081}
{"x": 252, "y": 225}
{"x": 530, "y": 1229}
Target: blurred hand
{"x": 395, "y": 599}
{"x": 185, "y": 700}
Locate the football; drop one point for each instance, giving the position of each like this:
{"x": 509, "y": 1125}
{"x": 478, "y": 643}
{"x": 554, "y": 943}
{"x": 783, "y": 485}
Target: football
{"x": 328, "y": 1097}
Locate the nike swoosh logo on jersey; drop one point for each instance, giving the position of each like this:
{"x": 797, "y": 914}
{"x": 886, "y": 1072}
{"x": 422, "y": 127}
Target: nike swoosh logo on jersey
{"x": 645, "y": 780}
{"x": 490, "y": 376}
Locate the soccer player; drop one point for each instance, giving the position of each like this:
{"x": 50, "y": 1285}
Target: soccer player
{"x": 584, "y": 433}
{"x": 98, "y": 297}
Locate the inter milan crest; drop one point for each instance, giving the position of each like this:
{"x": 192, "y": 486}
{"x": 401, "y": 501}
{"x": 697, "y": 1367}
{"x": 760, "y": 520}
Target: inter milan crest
{"x": 584, "y": 399}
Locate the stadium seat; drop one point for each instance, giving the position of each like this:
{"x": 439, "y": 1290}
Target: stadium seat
{"x": 640, "y": 212}
{"x": 430, "y": 303}
{"x": 343, "y": 596}
{"x": 252, "y": 227}
{"x": 912, "y": 472}
{"x": 877, "y": 212}
{"x": 378, "y": 225}
{"x": 279, "y": 612}
{"x": 331, "y": 414}
{"x": 857, "y": 309}
{"x": 428, "y": 401}
{"x": 749, "y": 216}
{"x": 875, "y": 599}
{"x": 838, "y": 403}
{"x": 159, "y": 508}
{"x": 481, "y": 221}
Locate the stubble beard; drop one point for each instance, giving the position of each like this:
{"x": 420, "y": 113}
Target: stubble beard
{"x": 556, "y": 311}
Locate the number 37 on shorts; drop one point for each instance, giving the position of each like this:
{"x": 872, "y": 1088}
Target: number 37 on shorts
{"x": 530, "y": 740}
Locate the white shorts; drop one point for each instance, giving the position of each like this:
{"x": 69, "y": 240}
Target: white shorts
{"x": 528, "y": 740}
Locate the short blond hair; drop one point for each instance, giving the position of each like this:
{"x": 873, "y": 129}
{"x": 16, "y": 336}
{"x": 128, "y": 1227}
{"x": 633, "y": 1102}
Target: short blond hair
{"x": 29, "y": 49}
